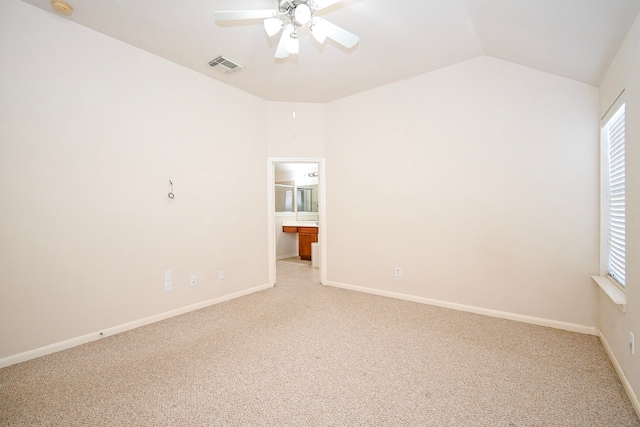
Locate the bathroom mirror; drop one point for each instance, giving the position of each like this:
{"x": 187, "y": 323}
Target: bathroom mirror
{"x": 307, "y": 198}
{"x": 296, "y": 190}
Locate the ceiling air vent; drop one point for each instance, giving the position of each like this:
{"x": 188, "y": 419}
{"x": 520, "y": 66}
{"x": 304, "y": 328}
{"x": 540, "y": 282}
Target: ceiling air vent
{"x": 226, "y": 65}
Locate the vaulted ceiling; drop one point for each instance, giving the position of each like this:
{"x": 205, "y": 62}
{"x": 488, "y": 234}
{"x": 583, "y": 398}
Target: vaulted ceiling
{"x": 576, "y": 39}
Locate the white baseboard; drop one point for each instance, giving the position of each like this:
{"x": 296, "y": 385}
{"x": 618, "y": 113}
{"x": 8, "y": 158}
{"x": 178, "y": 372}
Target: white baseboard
{"x": 279, "y": 257}
{"x": 471, "y": 309}
{"x": 623, "y": 379}
{"x": 73, "y": 342}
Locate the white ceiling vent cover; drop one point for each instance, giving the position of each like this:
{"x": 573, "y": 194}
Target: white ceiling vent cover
{"x": 226, "y": 65}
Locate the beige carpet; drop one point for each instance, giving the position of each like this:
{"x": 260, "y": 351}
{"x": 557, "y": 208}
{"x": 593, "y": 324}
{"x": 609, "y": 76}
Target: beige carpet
{"x": 302, "y": 354}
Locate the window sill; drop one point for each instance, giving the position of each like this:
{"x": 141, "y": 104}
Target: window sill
{"x": 612, "y": 291}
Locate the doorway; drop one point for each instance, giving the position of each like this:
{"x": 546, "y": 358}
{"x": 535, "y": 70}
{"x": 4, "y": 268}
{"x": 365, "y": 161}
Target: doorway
{"x": 305, "y": 202}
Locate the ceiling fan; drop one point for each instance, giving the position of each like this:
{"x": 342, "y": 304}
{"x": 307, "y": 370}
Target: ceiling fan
{"x": 291, "y": 15}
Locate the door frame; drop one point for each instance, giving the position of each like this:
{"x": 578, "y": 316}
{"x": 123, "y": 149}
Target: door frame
{"x": 271, "y": 212}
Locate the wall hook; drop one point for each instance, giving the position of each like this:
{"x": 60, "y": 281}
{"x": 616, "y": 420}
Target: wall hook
{"x": 171, "y": 196}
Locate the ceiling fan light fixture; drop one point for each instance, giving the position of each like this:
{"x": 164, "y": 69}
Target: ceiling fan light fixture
{"x": 293, "y": 44}
{"x": 282, "y": 50}
{"x": 318, "y": 30}
{"x": 272, "y": 26}
{"x": 302, "y": 14}
{"x": 290, "y": 16}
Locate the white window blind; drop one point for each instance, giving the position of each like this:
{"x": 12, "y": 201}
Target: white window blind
{"x": 615, "y": 128}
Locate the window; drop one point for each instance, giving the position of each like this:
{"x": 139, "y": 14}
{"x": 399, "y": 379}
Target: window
{"x": 614, "y": 144}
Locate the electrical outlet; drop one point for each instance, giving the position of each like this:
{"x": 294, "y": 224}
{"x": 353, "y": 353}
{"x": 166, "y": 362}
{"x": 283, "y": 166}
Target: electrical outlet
{"x": 194, "y": 280}
{"x": 398, "y": 272}
{"x": 632, "y": 343}
{"x": 167, "y": 281}
{"x": 220, "y": 275}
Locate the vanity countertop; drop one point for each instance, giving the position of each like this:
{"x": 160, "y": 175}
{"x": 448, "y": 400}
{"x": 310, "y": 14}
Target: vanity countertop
{"x": 300, "y": 223}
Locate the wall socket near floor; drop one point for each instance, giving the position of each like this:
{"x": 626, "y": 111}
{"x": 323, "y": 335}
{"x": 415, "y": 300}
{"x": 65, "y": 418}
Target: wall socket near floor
{"x": 632, "y": 343}
{"x": 398, "y": 272}
{"x": 167, "y": 281}
{"x": 194, "y": 280}
{"x": 220, "y": 275}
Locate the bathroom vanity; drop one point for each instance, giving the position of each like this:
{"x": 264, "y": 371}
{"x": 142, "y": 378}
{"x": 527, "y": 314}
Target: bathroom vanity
{"x": 307, "y": 234}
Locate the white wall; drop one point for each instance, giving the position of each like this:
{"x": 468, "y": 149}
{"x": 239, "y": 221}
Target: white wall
{"x": 91, "y": 130}
{"x": 615, "y": 325}
{"x": 302, "y": 136}
{"x": 479, "y": 180}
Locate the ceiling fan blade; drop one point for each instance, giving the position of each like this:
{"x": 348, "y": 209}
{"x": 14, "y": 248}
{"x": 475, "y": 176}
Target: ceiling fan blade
{"x": 325, "y": 28}
{"x": 235, "y": 15}
{"x": 321, "y": 4}
{"x": 281, "y": 51}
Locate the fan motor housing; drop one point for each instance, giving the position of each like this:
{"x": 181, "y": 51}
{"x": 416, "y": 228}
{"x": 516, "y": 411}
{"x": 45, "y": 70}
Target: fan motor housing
{"x": 286, "y": 6}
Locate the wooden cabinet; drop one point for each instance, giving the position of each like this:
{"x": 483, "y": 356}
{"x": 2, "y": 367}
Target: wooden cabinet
{"x": 306, "y": 236}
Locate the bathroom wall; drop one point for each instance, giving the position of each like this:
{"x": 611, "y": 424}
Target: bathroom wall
{"x": 286, "y": 243}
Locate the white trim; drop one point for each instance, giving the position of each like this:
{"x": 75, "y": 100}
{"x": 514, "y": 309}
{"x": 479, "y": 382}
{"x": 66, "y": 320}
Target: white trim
{"x": 279, "y": 257}
{"x": 322, "y": 212}
{"x": 590, "y": 330}
{"x": 615, "y": 105}
{"x": 73, "y": 342}
{"x": 616, "y": 294}
{"x": 623, "y": 379}
{"x": 604, "y": 184}
{"x": 271, "y": 220}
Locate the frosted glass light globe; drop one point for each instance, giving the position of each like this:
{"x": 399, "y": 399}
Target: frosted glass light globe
{"x": 272, "y": 26}
{"x": 302, "y": 14}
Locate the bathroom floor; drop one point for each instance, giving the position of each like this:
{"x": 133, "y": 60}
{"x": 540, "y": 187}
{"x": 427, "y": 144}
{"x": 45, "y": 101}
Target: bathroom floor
{"x": 296, "y": 260}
